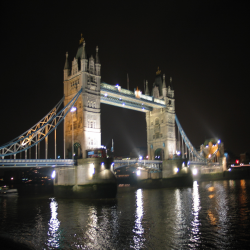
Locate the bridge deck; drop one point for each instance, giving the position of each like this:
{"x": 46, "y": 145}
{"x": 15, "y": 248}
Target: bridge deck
{"x": 116, "y": 96}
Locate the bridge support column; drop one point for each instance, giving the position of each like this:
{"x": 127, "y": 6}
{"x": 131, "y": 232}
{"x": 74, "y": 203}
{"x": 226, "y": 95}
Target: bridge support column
{"x": 91, "y": 178}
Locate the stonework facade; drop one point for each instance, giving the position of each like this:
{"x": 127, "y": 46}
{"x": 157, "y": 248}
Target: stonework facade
{"x": 85, "y": 122}
{"x": 161, "y": 139}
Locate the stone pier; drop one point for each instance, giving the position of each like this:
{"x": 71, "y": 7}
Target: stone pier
{"x": 90, "y": 178}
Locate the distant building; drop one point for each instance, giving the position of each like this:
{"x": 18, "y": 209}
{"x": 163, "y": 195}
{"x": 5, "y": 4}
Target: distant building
{"x": 245, "y": 158}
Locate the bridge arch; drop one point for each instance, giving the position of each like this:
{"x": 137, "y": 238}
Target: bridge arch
{"x": 159, "y": 154}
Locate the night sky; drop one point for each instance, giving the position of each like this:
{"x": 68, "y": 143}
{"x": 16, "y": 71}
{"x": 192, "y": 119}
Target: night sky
{"x": 202, "y": 45}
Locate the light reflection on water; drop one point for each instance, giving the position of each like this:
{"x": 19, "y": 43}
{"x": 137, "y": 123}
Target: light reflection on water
{"x": 138, "y": 227}
{"x": 195, "y": 237}
{"x": 54, "y": 223}
{"x": 209, "y": 215}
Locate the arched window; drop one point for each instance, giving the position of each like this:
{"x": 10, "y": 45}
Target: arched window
{"x": 156, "y": 121}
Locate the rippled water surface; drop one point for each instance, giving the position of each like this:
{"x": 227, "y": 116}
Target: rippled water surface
{"x": 211, "y": 215}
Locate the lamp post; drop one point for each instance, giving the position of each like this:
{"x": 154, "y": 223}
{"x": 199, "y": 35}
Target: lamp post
{"x": 73, "y": 109}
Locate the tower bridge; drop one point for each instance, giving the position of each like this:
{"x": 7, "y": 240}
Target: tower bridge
{"x": 83, "y": 93}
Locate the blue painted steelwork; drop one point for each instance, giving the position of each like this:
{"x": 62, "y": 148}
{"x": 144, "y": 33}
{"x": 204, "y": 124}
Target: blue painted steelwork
{"x": 187, "y": 141}
{"x": 39, "y": 131}
{"x": 191, "y": 147}
{"x": 36, "y": 163}
{"x": 125, "y": 103}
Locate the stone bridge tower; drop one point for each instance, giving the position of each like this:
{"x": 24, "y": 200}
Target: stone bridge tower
{"x": 86, "y": 120}
{"x": 161, "y": 139}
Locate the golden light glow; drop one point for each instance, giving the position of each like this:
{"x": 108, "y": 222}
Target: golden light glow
{"x": 158, "y": 71}
{"x": 81, "y": 40}
{"x": 212, "y": 149}
{"x": 211, "y": 189}
{"x": 212, "y": 218}
{"x": 137, "y": 93}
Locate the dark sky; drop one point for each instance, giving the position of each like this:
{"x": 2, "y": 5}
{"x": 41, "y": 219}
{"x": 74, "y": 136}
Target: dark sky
{"x": 202, "y": 45}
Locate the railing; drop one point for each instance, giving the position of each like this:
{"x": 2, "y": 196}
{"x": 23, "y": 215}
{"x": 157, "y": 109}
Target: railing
{"x": 131, "y": 93}
{"x": 36, "y": 162}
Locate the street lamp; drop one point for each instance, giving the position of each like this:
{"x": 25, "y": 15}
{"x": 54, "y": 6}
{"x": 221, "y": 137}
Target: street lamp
{"x": 73, "y": 109}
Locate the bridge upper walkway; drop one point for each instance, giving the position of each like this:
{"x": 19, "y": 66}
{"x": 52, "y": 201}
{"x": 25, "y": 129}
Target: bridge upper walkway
{"x": 117, "y": 96}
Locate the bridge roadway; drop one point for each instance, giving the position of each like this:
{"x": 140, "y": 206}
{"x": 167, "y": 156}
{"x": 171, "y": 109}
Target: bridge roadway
{"x": 14, "y": 163}
{"x": 146, "y": 164}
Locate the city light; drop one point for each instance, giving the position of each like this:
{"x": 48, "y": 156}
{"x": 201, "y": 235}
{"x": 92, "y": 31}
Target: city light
{"x": 118, "y": 87}
{"x": 176, "y": 170}
{"x": 92, "y": 169}
{"x": 73, "y": 109}
{"x": 138, "y": 172}
{"x": 53, "y": 174}
{"x": 140, "y": 157}
{"x": 195, "y": 171}
{"x": 137, "y": 93}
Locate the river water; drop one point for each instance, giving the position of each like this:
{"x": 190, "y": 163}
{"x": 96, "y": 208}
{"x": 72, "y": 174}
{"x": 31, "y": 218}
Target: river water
{"x": 209, "y": 215}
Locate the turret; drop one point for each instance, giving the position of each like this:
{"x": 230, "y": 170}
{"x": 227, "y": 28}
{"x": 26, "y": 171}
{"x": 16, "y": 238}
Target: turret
{"x": 97, "y": 63}
{"x": 84, "y": 61}
{"x": 164, "y": 88}
{"x": 66, "y": 68}
{"x": 147, "y": 90}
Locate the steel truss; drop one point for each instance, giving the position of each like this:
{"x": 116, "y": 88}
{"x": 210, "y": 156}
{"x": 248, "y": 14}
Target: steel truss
{"x": 39, "y": 131}
{"x": 191, "y": 147}
{"x": 188, "y": 143}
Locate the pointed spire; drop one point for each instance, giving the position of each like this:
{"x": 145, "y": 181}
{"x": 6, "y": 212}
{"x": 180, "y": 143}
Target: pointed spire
{"x": 147, "y": 91}
{"x": 97, "y": 56}
{"x": 171, "y": 84}
{"x": 66, "y": 66}
{"x": 164, "y": 83}
{"x": 83, "y": 56}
